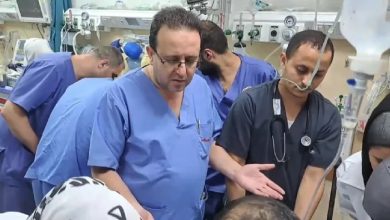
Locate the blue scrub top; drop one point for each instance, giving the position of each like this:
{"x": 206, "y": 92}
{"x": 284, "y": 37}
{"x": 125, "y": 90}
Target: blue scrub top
{"x": 162, "y": 159}
{"x": 37, "y": 91}
{"x": 63, "y": 149}
{"x": 251, "y": 72}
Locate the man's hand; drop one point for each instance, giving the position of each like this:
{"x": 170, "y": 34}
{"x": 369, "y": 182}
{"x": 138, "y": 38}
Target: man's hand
{"x": 253, "y": 180}
{"x": 145, "y": 215}
{"x": 19, "y": 125}
{"x": 113, "y": 181}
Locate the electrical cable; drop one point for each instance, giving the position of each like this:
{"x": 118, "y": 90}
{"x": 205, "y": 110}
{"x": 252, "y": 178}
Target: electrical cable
{"x": 74, "y": 42}
{"x": 273, "y": 52}
{"x": 316, "y": 15}
{"x": 62, "y": 37}
{"x": 322, "y": 50}
{"x": 39, "y": 30}
{"x": 339, "y": 149}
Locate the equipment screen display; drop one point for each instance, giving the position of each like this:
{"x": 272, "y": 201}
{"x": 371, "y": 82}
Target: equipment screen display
{"x": 19, "y": 51}
{"x": 132, "y": 21}
{"x": 30, "y": 8}
{"x": 194, "y": 1}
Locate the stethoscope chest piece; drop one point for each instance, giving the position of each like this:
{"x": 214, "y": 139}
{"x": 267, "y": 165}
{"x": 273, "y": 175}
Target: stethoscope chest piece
{"x": 306, "y": 141}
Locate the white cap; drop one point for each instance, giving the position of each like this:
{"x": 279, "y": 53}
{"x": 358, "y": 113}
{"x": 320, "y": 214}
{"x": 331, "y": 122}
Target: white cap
{"x": 34, "y": 47}
{"x": 13, "y": 216}
{"x": 82, "y": 198}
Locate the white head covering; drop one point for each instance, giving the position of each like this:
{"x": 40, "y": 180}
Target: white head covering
{"x": 12, "y": 216}
{"x": 82, "y": 198}
{"x": 35, "y": 47}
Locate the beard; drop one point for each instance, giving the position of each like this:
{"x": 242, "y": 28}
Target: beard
{"x": 209, "y": 68}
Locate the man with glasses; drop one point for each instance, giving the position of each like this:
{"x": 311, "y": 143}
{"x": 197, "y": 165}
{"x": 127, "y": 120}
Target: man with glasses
{"x": 154, "y": 127}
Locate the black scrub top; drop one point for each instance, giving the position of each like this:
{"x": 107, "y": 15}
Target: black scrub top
{"x": 247, "y": 134}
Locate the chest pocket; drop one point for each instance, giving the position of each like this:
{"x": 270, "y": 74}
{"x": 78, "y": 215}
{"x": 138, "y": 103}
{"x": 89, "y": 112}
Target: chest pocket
{"x": 205, "y": 135}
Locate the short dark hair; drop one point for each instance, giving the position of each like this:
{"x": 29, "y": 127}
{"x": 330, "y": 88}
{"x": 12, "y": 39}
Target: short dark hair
{"x": 256, "y": 208}
{"x": 112, "y": 54}
{"x": 213, "y": 37}
{"x": 174, "y": 18}
{"x": 313, "y": 37}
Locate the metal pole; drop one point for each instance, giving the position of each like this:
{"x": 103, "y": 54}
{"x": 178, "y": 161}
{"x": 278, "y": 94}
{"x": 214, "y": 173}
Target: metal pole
{"x": 333, "y": 190}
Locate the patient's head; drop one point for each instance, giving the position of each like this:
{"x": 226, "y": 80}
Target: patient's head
{"x": 256, "y": 208}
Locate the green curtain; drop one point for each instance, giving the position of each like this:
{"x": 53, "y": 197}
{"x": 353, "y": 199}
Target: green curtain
{"x": 58, "y": 7}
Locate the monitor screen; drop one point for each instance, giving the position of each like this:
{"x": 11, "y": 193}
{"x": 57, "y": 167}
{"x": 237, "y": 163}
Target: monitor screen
{"x": 132, "y": 21}
{"x": 19, "y": 56}
{"x": 195, "y": 1}
{"x": 30, "y": 10}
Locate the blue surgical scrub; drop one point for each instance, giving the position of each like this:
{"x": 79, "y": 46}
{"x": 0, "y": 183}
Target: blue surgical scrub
{"x": 251, "y": 72}
{"x": 63, "y": 150}
{"x": 36, "y": 92}
{"x": 162, "y": 159}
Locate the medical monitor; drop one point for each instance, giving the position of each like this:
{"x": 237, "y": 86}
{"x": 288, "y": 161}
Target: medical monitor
{"x": 37, "y": 11}
{"x": 19, "y": 56}
{"x": 190, "y": 2}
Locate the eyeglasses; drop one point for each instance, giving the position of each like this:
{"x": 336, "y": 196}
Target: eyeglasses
{"x": 190, "y": 62}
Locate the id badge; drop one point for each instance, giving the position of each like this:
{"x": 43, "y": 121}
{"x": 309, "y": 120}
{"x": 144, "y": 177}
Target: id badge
{"x": 276, "y": 106}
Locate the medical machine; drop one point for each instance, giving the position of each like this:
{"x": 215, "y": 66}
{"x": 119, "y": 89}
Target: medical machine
{"x": 279, "y": 26}
{"x": 14, "y": 67}
{"x": 37, "y": 11}
{"x": 19, "y": 56}
{"x": 198, "y": 5}
{"x": 8, "y": 14}
{"x": 101, "y": 19}
{"x": 88, "y": 21}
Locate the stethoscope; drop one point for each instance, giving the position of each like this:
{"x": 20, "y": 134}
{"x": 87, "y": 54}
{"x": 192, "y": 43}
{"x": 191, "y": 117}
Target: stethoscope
{"x": 277, "y": 117}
